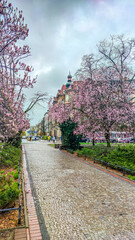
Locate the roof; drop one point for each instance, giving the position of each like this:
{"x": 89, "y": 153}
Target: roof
{"x": 63, "y": 88}
{"x": 69, "y": 75}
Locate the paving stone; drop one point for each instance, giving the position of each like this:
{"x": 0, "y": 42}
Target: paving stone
{"x": 77, "y": 201}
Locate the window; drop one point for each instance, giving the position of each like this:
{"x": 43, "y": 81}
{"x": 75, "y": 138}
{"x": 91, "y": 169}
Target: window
{"x": 67, "y": 97}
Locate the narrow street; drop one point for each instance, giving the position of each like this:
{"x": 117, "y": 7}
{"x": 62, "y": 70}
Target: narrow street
{"x": 75, "y": 201}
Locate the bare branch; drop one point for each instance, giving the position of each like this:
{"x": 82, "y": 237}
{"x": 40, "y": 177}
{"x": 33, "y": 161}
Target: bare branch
{"x": 38, "y": 97}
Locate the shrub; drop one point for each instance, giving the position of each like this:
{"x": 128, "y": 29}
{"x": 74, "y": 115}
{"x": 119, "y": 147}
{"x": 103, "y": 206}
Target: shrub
{"x": 15, "y": 174}
{"x": 8, "y": 190}
{"x": 70, "y": 151}
{"x": 69, "y": 139}
{"x": 15, "y": 166}
{"x": 94, "y": 151}
{"x": 131, "y": 177}
{"x": 123, "y": 156}
{"x": 9, "y": 156}
{"x": 79, "y": 153}
{"x": 45, "y": 137}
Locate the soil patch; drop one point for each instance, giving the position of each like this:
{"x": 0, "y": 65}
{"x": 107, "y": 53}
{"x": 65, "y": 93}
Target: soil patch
{"x": 7, "y": 235}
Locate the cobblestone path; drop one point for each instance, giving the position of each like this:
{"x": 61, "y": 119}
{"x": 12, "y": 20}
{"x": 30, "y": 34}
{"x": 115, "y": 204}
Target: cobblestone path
{"x": 77, "y": 201}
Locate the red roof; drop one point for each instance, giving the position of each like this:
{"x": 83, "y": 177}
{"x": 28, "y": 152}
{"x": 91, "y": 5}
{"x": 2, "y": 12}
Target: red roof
{"x": 60, "y": 92}
{"x": 63, "y": 88}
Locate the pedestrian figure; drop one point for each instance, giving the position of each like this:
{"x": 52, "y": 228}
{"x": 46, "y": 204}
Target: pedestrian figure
{"x": 54, "y": 139}
{"x": 49, "y": 138}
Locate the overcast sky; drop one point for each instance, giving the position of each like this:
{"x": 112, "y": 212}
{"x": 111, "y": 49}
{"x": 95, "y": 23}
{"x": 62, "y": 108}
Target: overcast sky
{"x": 62, "y": 31}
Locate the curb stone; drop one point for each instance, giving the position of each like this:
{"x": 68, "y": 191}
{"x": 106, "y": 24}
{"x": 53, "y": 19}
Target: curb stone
{"x": 33, "y": 232}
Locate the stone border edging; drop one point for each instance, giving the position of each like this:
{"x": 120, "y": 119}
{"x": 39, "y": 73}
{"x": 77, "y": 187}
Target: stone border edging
{"x": 33, "y": 232}
{"x": 24, "y": 201}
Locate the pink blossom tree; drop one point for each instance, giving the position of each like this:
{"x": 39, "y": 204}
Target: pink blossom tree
{"x": 101, "y": 102}
{"x": 105, "y": 96}
{"x": 14, "y": 73}
{"x": 98, "y": 108}
{"x": 12, "y": 27}
{"x": 59, "y": 111}
{"x": 13, "y": 119}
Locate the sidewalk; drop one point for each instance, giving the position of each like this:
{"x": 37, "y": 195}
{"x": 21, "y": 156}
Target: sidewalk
{"x": 78, "y": 201}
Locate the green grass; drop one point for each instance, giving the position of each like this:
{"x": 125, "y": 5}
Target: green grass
{"x": 90, "y": 144}
{"x": 120, "y": 155}
{"x": 105, "y": 144}
{"x": 52, "y": 144}
{"x": 83, "y": 143}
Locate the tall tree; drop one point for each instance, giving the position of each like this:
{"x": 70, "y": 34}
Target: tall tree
{"x": 109, "y": 83}
{"x": 101, "y": 99}
{"x": 99, "y": 109}
{"x": 14, "y": 73}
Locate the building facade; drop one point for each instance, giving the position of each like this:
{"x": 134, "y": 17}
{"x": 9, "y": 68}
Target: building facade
{"x": 62, "y": 96}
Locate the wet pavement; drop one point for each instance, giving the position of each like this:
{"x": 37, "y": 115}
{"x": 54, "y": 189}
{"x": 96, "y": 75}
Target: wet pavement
{"x": 75, "y": 201}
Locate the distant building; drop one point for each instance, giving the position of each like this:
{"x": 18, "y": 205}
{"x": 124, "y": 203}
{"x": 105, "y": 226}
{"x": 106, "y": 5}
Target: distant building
{"x": 63, "y": 94}
{"x": 51, "y": 126}
{"x": 47, "y": 124}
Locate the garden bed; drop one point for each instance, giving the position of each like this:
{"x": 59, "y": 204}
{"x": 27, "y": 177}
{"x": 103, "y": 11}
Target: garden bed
{"x": 9, "y": 188}
{"x": 9, "y": 219}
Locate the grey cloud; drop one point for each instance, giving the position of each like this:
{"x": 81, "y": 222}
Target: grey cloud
{"x": 62, "y": 31}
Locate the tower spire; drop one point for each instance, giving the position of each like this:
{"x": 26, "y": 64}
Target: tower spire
{"x": 69, "y": 77}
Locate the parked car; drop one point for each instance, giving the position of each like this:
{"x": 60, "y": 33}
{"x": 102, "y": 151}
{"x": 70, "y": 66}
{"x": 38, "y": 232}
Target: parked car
{"x": 38, "y": 137}
{"x": 24, "y": 137}
{"x": 122, "y": 140}
{"x": 101, "y": 139}
{"x": 126, "y": 140}
{"x": 113, "y": 140}
{"x": 86, "y": 139}
{"x": 35, "y": 138}
{"x": 132, "y": 140}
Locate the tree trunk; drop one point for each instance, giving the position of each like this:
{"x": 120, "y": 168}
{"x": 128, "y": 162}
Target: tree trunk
{"x": 107, "y": 137}
{"x": 93, "y": 141}
{"x": 16, "y": 140}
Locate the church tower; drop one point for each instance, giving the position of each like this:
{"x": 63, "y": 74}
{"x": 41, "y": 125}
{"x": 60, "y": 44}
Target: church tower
{"x": 69, "y": 81}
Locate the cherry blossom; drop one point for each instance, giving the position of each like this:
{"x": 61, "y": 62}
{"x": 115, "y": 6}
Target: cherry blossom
{"x": 14, "y": 73}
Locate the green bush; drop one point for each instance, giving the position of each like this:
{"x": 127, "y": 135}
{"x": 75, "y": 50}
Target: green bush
{"x": 8, "y": 190}
{"x": 15, "y": 166}
{"x": 123, "y": 156}
{"x": 79, "y": 153}
{"x": 9, "y": 156}
{"x": 131, "y": 177}
{"x": 69, "y": 139}
{"x": 70, "y": 151}
{"x": 45, "y": 137}
{"x": 15, "y": 174}
{"x": 93, "y": 151}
